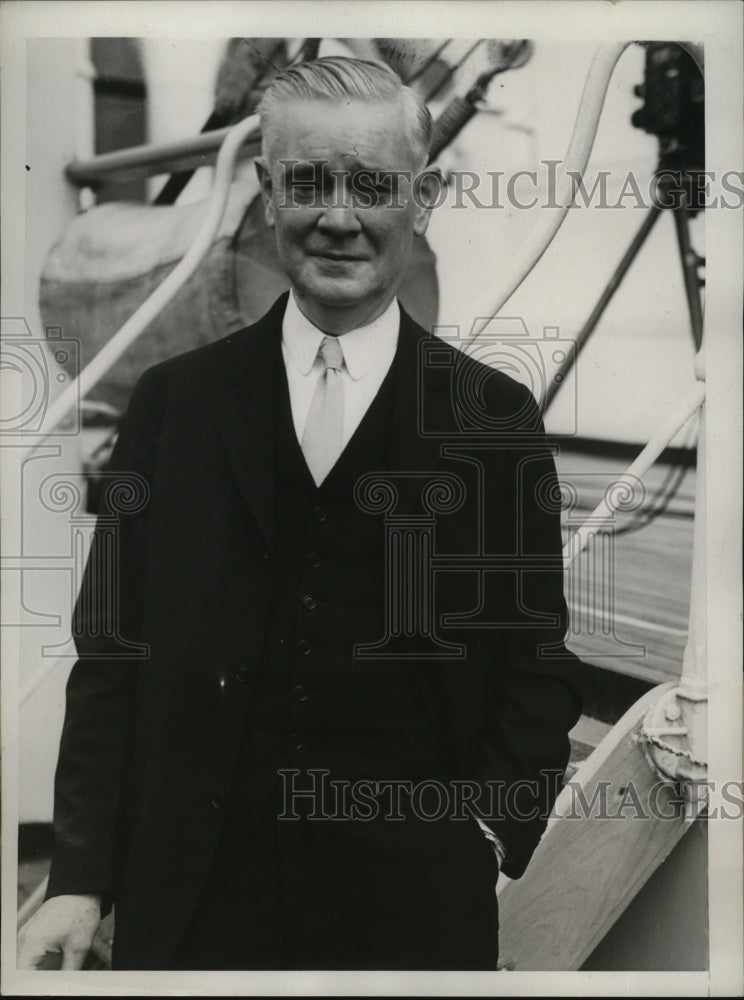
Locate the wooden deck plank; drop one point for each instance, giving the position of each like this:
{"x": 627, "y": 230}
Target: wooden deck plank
{"x": 651, "y": 577}
{"x": 589, "y": 865}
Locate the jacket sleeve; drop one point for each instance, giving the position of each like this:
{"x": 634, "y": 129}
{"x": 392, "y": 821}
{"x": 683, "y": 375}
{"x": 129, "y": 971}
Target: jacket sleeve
{"x": 534, "y": 702}
{"x": 101, "y": 690}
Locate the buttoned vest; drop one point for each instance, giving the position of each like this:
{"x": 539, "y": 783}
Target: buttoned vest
{"x": 317, "y": 706}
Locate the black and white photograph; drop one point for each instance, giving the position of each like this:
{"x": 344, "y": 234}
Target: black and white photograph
{"x": 371, "y": 466}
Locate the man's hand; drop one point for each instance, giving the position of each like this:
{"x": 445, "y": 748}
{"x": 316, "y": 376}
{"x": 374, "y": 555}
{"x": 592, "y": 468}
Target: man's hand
{"x": 64, "y": 924}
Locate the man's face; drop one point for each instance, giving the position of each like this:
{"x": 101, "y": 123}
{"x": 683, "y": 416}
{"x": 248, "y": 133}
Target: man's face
{"x": 341, "y": 240}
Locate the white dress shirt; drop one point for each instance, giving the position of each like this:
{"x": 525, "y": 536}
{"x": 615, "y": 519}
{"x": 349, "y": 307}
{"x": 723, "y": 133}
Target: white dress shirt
{"x": 368, "y": 353}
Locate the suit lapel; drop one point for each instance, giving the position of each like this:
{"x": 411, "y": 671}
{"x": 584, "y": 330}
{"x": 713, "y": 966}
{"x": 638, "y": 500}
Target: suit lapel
{"x": 247, "y": 408}
{"x": 421, "y": 401}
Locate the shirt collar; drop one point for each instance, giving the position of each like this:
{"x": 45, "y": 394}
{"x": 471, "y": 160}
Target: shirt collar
{"x": 364, "y": 349}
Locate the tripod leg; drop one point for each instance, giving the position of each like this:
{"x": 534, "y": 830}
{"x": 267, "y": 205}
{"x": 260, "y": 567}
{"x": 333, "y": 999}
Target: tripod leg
{"x": 690, "y": 262}
{"x": 604, "y": 300}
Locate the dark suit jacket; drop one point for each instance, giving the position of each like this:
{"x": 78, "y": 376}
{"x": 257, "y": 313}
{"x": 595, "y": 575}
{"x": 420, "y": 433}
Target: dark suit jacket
{"x": 151, "y": 735}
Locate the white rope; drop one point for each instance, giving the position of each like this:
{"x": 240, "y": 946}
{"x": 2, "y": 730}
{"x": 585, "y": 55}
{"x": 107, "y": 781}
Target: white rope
{"x": 32, "y": 903}
{"x": 164, "y": 293}
{"x": 626, "y": 483}
{"x": 577, "y": 156}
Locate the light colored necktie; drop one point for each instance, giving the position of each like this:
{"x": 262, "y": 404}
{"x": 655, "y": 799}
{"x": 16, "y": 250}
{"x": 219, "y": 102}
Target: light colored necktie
{"x": 322, "y": 441}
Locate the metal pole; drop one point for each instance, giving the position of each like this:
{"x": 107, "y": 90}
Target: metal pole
{"x": 675, "y": 729}
{"x": 162, "y": 158}
{"x": 428, "y": 61}
{"x": 694, "y": 659}
{"x": 451, "y": 71}
{"x": 690, "y": 261}
{"x": 587, "y": 329}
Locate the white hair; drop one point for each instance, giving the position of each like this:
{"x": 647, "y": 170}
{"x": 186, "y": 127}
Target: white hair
{"x": 337, "y": 78}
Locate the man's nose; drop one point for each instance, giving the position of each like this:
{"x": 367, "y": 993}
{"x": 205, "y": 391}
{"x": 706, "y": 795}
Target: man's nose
{"x": 339, "y": 218}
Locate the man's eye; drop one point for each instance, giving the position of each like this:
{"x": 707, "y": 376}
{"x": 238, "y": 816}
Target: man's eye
{"x": 375, "y": 193}
{"x": 371, "y": 188}
{"x": 306, "y": 193}
{"x": 306, "y": 190}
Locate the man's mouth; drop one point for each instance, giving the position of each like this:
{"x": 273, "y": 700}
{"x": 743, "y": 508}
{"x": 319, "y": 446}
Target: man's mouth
{"x": 336, "y": 255}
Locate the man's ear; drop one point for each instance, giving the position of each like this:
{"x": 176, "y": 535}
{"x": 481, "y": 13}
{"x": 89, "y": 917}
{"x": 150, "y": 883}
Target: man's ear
{"x": 264, "y": 179}
{"x": 429, "y": 192}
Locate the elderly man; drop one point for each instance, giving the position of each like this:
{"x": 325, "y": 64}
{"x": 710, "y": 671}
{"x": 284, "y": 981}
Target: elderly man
{"x": 340, "y": 606}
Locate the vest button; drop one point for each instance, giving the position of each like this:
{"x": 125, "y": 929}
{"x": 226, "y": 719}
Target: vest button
{"x": 218, "y": 799}
{"x": 244, "y": 673}
{"x": 309, "y": 601}
{"x": 314, "y": 559}
{"x": 300, "y": 693}
{"x": 304, "y": 647}
{"x": 295, "y": 741}
{"x": 320, "y": 514}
